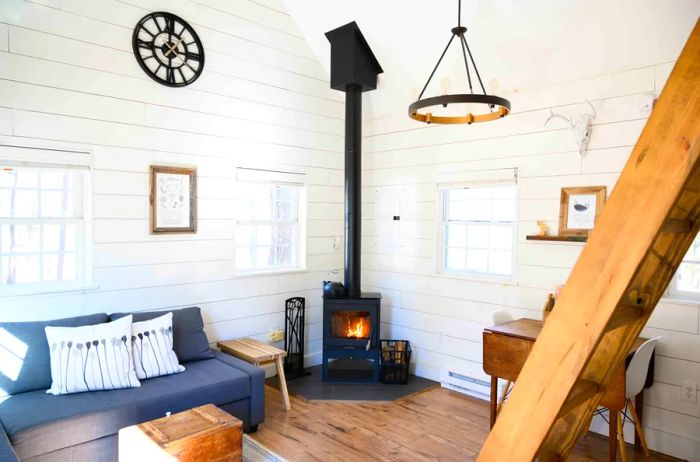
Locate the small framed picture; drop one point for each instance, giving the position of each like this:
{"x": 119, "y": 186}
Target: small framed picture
{"x": 173, "y": 200}
{"x": 579, "y": 209}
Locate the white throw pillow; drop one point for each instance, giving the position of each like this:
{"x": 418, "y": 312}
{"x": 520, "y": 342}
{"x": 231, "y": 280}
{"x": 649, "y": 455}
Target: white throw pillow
{"x": 90, "y": 358}
{"x": 152, "y": 347}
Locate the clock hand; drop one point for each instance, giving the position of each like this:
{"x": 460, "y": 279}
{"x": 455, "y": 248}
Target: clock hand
{"x": 173, "y": 48}
{"x": 185, "y": 63}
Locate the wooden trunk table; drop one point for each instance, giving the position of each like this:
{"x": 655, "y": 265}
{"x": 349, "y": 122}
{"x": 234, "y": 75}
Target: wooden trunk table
{"x": 202, "y": 434}
{"x": 258, "y": 353}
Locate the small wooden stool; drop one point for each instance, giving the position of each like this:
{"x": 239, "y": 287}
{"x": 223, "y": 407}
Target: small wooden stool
{"x": 258, "y": 353}
{"x": 202, "y": 434}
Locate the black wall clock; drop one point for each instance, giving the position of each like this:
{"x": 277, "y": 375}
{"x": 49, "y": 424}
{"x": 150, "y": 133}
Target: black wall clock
{"x": 168, "y": 49}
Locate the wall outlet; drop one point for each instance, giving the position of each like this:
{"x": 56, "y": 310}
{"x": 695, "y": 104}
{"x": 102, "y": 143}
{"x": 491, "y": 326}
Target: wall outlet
{"x": 276, "y": 335}
{"x": 689, "y": 392}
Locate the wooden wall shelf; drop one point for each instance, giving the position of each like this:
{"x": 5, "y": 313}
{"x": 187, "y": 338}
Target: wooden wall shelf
{"x": 557, "y": 238}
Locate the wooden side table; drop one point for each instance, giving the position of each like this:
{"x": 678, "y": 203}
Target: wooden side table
{"x": 201, "y": 434}
{"x": 258, "y": 353}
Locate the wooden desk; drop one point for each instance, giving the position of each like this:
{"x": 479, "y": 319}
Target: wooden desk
{"x": 507, "y": 346}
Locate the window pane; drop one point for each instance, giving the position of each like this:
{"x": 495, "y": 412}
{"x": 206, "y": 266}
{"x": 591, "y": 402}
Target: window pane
{"x": 264, "y": 235}
{"x": 479, "y": 193}
{"x": 501, "y": 237}
{"x": 478, "y": 236}
{"x": 480, "y": 210}
{"x": 500, "y": 262}
{"x": 20, "y": 239}
{"x": 20, "y": 269}
{"x": 244, "y": 257}
{"x": 60, "y": 238}
{"x": 283, "y": 256}
{"x": 59, "y": 267}
{"x": 458, "y": 210}
{"x": 477, "y": 260}
{"x": 456, "y": 259}
{"x": 503, "y": 210}
{"x": 688, "y": 277}
{"x": 245, "y": 235}
{"x": 694, "y": 251}
{"x": 56, "y": 204}
{"x": 57, "y": 180}
{"x": 19, "y": 203}
{"x": 456, "y": 236}
{"x": 262, "y": 257}
{"x": 504, "y": 192}
{"x": 27, "y": 178}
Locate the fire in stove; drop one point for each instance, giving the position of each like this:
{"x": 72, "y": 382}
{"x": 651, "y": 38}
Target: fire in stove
{"x": 359, "y": 330}
{"x": 351, "y": 324}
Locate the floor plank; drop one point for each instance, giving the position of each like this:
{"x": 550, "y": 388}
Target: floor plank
{"x": 436, "y": 425}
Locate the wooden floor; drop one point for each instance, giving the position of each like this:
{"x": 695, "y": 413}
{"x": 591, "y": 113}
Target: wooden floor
{"x": 438, "y": 424}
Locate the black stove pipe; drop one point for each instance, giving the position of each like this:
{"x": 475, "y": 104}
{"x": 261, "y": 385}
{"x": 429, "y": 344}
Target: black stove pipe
{"x": 353, "y": 189}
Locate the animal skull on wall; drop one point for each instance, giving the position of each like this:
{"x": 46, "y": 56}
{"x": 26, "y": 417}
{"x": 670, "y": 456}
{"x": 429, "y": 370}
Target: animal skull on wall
{"x": 580, "y": 126}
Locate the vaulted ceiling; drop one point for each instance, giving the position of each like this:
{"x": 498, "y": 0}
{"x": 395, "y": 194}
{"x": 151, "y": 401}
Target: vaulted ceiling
{"x": 517, "y": 44}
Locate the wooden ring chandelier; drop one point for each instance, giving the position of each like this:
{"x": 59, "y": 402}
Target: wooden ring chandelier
{"x": 498, "y": 107}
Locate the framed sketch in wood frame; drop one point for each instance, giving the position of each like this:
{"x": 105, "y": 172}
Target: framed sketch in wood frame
{"x": 579, "y": 209}
{"x": 173, "y": 200}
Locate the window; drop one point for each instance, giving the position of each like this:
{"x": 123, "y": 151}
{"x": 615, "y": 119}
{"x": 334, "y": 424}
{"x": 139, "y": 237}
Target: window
{"x": 686, "y": 282}
{"x": 477, "y": 229}
{"x": 270, "y": 233}
{"x": 43, "y": 230}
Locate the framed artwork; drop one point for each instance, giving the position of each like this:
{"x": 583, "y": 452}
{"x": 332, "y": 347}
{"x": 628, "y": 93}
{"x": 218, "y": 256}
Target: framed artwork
{"x": 579, "y": 209}
{"x": 173, "y": 200}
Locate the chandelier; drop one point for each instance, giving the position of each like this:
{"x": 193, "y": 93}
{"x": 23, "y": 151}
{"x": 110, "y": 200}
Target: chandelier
{"x": 497, "y": 107}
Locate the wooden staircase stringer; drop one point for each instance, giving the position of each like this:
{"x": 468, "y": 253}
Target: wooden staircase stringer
{"x": 640, "y": 238}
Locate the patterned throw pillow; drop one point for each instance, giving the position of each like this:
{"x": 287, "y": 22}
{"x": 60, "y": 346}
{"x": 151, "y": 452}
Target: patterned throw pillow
{"x": 152, "y": 347}
{"x": 90, "y": 358}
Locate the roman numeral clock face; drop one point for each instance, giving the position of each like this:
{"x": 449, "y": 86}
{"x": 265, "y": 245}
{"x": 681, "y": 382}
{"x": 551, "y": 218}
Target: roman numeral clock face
{"x": 168, "y": 49}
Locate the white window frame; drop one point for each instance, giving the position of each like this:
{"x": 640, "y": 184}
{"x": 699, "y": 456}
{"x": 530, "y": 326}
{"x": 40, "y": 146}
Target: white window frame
{"x": 276, "y": 178}
{"x": 466, "y": 180}
{"x": 674, "y": 293}
{"x": 43, "y": 158}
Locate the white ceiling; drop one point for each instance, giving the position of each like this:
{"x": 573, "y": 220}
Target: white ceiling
{"x": 517, "y": 44}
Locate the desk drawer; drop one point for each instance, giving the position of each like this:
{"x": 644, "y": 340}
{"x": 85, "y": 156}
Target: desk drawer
{"x": 504, "y": 356}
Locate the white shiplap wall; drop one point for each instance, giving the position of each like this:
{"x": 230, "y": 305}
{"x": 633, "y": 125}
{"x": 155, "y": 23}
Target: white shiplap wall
{"x": 68, "y": 80}
{"x": 444, "y": 316}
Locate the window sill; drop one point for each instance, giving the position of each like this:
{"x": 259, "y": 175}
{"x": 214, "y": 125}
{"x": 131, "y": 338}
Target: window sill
{"x": 43, "y": 292}
{"x": 679, "y": 300}
{"x": 247, "y": 274}
{"x": 477, "y": 277}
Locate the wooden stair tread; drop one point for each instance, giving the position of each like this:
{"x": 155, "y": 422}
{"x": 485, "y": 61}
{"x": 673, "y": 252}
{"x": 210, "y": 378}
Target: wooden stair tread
{"x": 639, "y": 241}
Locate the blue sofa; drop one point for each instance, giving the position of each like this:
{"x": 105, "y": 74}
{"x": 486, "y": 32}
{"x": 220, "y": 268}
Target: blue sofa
{"x": 36, "y": 426}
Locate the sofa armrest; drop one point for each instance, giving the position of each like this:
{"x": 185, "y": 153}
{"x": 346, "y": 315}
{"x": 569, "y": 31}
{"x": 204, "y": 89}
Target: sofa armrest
{"x": 257, "y": 385}
{"x": 7, "y": 454}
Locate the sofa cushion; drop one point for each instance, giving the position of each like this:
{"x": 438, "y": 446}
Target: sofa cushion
{"x": 29, "y": 363}
{"x": 68, "y": 420}
{"x": 191, "y": 342}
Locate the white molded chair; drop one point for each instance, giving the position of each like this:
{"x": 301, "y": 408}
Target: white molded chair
{"x": 500, "y": 317}
{"x": 635, "y": 377}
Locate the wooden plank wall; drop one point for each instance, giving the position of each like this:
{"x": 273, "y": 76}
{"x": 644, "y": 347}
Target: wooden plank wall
{"x": 443, "y": 316}
{"x": 68, "y": 79}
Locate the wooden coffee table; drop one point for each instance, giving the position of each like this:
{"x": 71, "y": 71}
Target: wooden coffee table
{"x": 258, "y": 353}
{"x": 201, "y": 434}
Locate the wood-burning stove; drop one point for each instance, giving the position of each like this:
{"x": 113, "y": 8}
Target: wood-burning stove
{"x": 351, "y": 324}
{"x": 351, "y": 338}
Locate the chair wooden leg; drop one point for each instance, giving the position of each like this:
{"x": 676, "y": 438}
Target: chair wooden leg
{"x": 504, "y": 393}
{"x": 638, "y": 427}
{"x": 621, "y": 438}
